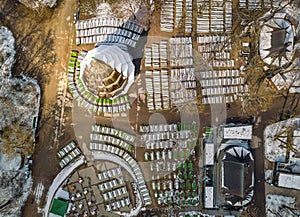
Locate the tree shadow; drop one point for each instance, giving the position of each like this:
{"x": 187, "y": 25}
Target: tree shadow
{"x": 34, "y": 45}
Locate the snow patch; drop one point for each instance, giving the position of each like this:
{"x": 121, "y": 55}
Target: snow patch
{"x": 14, "y": 190}
{"x": 278, "y": 205}
{"x": 7, "y": 163}
{"x": 269, "y": 176}
{"x": 7, "y": 52}
{"x": 274, "y": 148}
{"x": 35, "y": 4}
{"x": 19, "y": 106}
{"x": 38, "y": 192}
{"x": 103, "y": 10}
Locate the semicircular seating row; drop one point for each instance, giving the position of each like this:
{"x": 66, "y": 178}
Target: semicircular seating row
{"x": 107, "y": 30}
{"x": 112, "y": 148}
{"x": 102, "y": 134}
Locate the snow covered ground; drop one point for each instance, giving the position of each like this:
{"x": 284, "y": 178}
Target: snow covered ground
{"x": 194, "y": 213}
{"x": 19, "y": 105}
{"x": 273, "y": 147}
{"x": 15, "y": 187}
{"x": 38, "y": 192}
{"x": 103, "y": 10}
{"x": 280, "y": 205}
{"x": 7, "y": 52}
{"x": 35, "y": 4}
{"x": 269, "y": 176}
{"x": 133, "y": 9}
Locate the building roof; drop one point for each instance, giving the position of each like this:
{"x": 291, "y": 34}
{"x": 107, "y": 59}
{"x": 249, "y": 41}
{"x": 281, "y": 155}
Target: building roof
{"x": 237, "y": 171}
{"x": 209, "y": 154}
{"x": 107, "y": 71}
{"x": 234, "y": 177}
{"x": 209, "y": 197}
{"x": 59, "y": 207}
{"x": 278, "y": 81}
{"x": 277, "y": 41}
{"x": 287, "y": 180}
{"x": 296, "y": 133}
{"x": 238, "y": 132}
{"x": 292, "y": 77}
{"x": 278, "y": 38}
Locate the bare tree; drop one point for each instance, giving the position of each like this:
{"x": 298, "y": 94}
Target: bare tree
{"x": 33, "y": 44}
{"x": 15, "y": 139}
{"x": 34, "y": 52}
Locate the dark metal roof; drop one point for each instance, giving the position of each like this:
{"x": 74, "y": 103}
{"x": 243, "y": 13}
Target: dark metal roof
{"x": 234, "y": 177}
{"x": 238, "y": 169}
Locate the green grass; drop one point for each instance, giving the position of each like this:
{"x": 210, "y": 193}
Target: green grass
{"x": 71, "y": 64}
{"x": 73, "y": 59}
{"x": 74, "y": 53}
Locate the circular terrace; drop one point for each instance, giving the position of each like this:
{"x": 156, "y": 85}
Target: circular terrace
{"x": 107, "y": 71}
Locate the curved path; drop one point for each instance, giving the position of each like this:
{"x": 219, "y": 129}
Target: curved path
{"x": 45, "y": 165}
{"x": 58, "y": 181}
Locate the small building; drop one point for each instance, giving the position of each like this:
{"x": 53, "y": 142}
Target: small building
{"x": 238, "y": 132}
{"x": 288, "y": 180}
{"x": 209, "y": 154}
{"x": 59, "y": 207}
{"x": 208, "y": 197}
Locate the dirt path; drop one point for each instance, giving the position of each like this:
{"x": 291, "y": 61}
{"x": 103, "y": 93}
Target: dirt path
{"x": 45, "y": 166}
{"x": 63, "y": 33}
